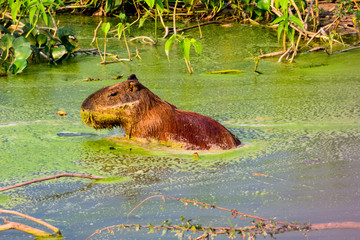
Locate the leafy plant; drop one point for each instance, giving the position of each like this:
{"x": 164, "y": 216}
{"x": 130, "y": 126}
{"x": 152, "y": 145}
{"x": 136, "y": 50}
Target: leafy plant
{"x": 105, "y": 27}
{"x": 285, "y": 29}
{"x": 16, "y": 50}
{"x": 185, "y": 45}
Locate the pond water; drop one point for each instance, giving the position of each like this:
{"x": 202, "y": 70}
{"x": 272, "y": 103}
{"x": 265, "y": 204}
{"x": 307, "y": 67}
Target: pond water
{"x": 300, "y": 124}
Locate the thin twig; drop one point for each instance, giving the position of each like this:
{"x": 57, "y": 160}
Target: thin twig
{"x": 234, "y": 211}
{"x": 152, "y": 42}
{"x": 262, "y": 226}
{"x": 55, "y": 229}
{"x": 348, "y": 49}
{"x": 296, "y": 48}
{"x": 95, "y": 31}
{"x": 24, "y": 228}
{"x": 174, "y": 17}
{"x": 286, "y": 53}
{"x": 78, "y": 175}
{"x": 272, "y": 54}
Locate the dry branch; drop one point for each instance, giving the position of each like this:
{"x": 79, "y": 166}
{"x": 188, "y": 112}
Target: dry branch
{"x": 151, "y": 42}
{"x": 52, "y": 177}
{"x": 24, "y": 228}
{"x": 261, "y": 226}
{"x": 272, "y": 54}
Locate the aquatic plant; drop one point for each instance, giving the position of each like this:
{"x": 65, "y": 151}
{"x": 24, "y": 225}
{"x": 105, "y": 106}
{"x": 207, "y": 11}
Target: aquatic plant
{"x": 22, "y": 42}
{"x": 258, "y": 226}
{"x": 185, "y": 45}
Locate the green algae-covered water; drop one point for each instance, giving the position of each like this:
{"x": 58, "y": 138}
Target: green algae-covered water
{"x": 300, "y": 125}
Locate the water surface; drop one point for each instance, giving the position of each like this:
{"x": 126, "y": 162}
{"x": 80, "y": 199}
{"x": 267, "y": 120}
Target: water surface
{"x": 300, "y": 124}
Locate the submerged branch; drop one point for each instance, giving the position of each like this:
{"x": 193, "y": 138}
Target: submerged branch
{"x": 272, "y": 54}
{"x": 348, "y": 49}
{"x": 78, "y": 175}
{"x": 261, "y": 226}
{"x": 151, "y": 42}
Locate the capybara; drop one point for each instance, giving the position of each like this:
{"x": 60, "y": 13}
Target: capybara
{"x": 143, "y": 114}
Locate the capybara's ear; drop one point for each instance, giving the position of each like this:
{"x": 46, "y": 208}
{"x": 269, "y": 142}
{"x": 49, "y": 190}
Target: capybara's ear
{"x": 132, "y": 86}
{"x": 133, "y": 77}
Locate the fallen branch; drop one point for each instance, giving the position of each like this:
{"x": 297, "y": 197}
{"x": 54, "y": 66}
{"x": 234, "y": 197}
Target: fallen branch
{"x": 95, "y": 31}
{"x": 24, "y": 228}
{"x": 261, "y": 226}
{"x": 285, "y": 53}
{"x": 234, "y": 212}
{"x": 78, "y": 175}
{"x": 272, "y": 54}
{"x": 117, "y": 61}
{"x": 41, "y": 222}
{"x": 316, "y": 49}
{"x": 151, "y": 42}
{"x": 335, "y": 225}
{"x": 348, "y": 49}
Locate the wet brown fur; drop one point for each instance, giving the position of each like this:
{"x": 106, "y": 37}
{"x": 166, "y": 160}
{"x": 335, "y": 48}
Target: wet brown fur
{"x": 143, "y": 114}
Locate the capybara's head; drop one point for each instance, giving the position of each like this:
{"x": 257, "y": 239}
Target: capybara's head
{"x": 119, "y": 105}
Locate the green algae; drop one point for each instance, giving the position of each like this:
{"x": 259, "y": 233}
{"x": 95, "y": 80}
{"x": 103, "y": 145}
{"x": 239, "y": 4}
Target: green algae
{"x": 111, "y": 180}
{"x": 299, "y": 124}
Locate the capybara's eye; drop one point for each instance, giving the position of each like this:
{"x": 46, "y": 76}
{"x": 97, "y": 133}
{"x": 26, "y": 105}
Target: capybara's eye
{"x": 113, "y": 94}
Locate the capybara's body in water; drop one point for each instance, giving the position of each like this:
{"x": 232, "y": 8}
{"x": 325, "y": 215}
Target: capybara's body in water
{"x": 142, "y": 114}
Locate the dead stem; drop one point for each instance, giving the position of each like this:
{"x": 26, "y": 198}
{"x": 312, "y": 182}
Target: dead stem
{"x": 78, "y": 175}
{"x": 41, "y": 222}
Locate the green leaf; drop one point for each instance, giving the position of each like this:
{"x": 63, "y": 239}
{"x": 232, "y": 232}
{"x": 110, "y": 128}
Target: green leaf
{"x": 120, "y": 30}
{"x": 32, "y": 12}
{"x": 7, "y": 40}
{"x": 122, "y": 17}
{"x": 22, "y": 52}
{"x": 284, "y": 5}
{"x": 19, "y": 65}
{"x": 297, "y": 21}
{"x": 58, "y": 52}
{"x": 357, "y": 15}
{"x": 45, "y": 19}
{"x": 43, "y": 14}
{"x": 168, "y": 45}
{"x": 41, "y": 39}
{"x": 65, "y": 31}
{"x": 185, "y": 47}
{"x": 67, "y": 37}
{"x": 263, "y": 4}
{"x": 280, "y": 29}
{"x": 21, "y": 42}
{"x": 151, "y": 228}
{"x": 160, "y": 6}
{"x": 279, "y": 19}
{"x": 197, "y": 46}
{"x": 291, "y": 35}
{"x": 150, "y": 3}
{"x": 105, "y": 27}
{"x": 143, "y": 19}
{"x": 118, "y": 3}
{"x": 107, "y": 6}
{"x": 15, "y": 9}
{"x": 164, "y": 231}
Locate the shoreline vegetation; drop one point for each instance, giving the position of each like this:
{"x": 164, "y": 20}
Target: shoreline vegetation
{"x": 29, "y": 31}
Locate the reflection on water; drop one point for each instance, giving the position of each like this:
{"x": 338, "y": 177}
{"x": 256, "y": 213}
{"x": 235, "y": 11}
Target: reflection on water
{"x": 299, "y": 122}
